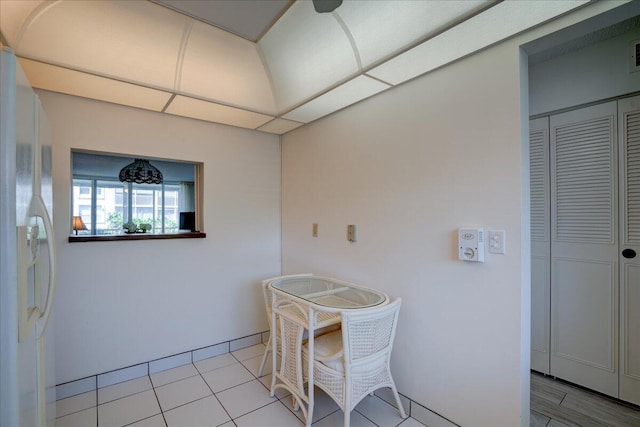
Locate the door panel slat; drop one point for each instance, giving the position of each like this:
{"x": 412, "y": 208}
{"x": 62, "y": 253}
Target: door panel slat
{"x": 583, "y": 177}
{"x": 632, "y": 122}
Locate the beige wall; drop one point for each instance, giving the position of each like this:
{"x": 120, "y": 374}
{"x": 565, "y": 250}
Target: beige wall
{"x": 122, "y": 303}
{"x": 409, "y": 167}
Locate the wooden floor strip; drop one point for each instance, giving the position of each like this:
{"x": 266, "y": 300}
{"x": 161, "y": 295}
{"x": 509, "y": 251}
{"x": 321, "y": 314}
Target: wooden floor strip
{"x": 545, "y": 391}
{"x": 538, "y": 420}
{"x": 554, "y": 423}
{"x": 568, "y": 416}
{"x": 601, "y": 409}
{"x": 566, "y": 405}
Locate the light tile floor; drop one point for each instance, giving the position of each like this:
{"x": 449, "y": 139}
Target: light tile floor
{"x": 220, "y": 391}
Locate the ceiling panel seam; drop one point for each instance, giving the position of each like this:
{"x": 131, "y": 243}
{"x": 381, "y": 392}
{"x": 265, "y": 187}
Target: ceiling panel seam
{"x": 267, "y": 73}
{"x": 452, "y": 24}
{"x": 274, "y": 22}
{"x": 33, "y": 16}
{"x": 456, "y": 22}
{"x": 93, "y": 73}
{"x": 378, "y": 79}
{"x": 364, "y": 70}
{"x": 328, "y": 89}
{"x": 33, "y": 23}
{"x": 184, "y": 42}
{"x": 214, "y": 101}
{"x": 171, "y": 98}
{"x": 188, "y": 26}
{"x": 195, "y": 18}
{"x": 352, "y": 41}
{"x": 154, "y": 87}
{"x": 266, "y": 123}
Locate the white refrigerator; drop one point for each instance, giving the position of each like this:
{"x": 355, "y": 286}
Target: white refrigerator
{"x": 27, "y": 257}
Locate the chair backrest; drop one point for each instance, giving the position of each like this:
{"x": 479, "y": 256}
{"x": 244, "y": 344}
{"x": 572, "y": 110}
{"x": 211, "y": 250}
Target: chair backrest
{"x": 292, "y": 322}
{"x": 369, "y": 334}
{"x": 266, "y": 293}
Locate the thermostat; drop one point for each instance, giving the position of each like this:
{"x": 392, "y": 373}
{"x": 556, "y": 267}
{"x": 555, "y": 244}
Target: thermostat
{"x": 471, "y": 244}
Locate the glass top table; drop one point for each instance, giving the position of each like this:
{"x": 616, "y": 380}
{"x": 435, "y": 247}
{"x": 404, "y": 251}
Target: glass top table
{"x": 328, "y": 293}
{"x": 312, "y": 303}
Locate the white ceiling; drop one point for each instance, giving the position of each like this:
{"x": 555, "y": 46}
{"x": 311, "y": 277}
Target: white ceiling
{"x": 268, "y": 65}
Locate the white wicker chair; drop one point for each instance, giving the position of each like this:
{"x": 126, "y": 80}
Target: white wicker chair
{"x": 354, "y": 362}
{"x": 266, "y": 293}
{"x": 293, "y": 321}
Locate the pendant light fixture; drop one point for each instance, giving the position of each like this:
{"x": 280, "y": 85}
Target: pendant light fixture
{"x": 324, "y": 6}
{"x": 140, "y": 172}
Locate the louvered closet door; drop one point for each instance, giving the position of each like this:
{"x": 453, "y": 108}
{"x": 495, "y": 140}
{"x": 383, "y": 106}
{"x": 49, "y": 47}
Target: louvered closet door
{"x": 584, "y": 247}
{"x": 540, "y": 243}
{"x": 629, "y": 118}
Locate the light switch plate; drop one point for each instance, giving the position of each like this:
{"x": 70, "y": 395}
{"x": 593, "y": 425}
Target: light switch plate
{"x": 351, "y": 233}
{"x": 496, "y": 241}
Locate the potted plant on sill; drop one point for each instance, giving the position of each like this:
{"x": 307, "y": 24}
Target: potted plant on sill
{"x": 130, "y": 227}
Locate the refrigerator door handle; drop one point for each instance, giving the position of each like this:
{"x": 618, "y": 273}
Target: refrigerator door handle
{"x": 28, "y": 309}
{"x": 38, "y": 208}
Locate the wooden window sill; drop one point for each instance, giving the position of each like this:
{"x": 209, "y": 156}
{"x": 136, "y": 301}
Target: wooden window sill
{"x": 136, "y": 236}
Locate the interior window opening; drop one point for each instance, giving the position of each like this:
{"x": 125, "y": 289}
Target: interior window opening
{"x": 108, "y": 206}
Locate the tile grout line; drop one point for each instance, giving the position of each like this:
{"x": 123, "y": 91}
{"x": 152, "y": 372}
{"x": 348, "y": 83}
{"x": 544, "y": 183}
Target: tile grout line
{"x": 331, "y": 413}
{"x": 258, "y": 408}
{"x": 327, "y": 415}
{"x": 261, "y": 383}
{"x": 157, "y": 399}
{"x": 97, "y": 400}
{"x": 228, "y": 344}
{"x": 413, "y": 402}
{"x": 229, "y": 388}
{"x": 216, "y": 397}
{"x": 277, "y": 399}
{"x": 200, "y": 373}
{"x": 175, "y": 381}
{"x": 127, "y": 395}
{"x": 385, "y": 402}
{"x": 290, "y": 409}
{"x": 146, "y": 418}
{"x": 183, "y": 404}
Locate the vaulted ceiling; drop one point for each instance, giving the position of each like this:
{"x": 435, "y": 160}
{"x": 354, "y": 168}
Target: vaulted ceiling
{"x": 268, "y": 65}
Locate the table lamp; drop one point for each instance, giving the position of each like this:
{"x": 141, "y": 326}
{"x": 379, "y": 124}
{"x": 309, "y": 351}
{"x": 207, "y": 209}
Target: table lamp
{"x": 78, "y": 224}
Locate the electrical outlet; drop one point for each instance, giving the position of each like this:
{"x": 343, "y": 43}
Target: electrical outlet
{"x": 496, "y": 241}
{"x": 314, "y": 233}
